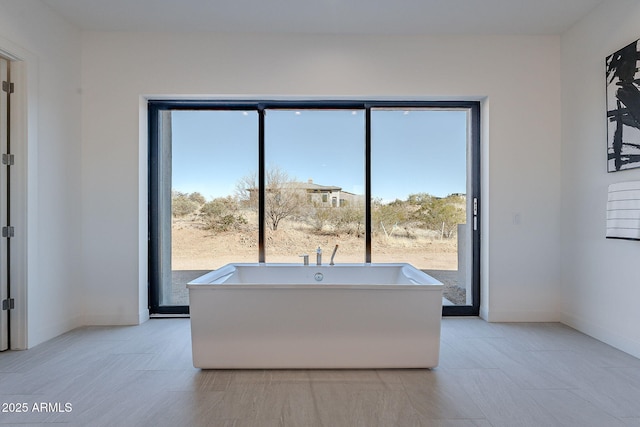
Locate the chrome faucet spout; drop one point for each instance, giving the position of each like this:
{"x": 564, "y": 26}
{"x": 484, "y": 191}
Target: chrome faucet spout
{"x": 333, "y": 255}
{"x": 318, "y": 256}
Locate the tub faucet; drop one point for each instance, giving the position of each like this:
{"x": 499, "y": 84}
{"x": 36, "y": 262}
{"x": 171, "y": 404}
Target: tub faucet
{"x": 333, "y": 255}
{"x": 305, "y": 259}
{"x": 318, "y": 256}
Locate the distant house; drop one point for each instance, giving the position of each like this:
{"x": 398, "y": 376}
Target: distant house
{"x": 322, "y": 195}
{"x": 326, "y": 195}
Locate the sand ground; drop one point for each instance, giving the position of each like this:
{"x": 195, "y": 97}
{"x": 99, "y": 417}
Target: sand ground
{"x": 196, "y": 250}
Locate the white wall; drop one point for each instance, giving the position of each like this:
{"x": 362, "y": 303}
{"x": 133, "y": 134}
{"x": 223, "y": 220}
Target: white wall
{"x": 600, "y": 278}
{"x": 519, "y": 76}
{"x": 49, "y": 165}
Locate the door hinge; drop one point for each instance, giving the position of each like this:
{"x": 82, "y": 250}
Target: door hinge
{"x": 8, "y": 304}
{"x": 8, "y": 87}
{"x": 8, "y": 232}
{"x": 8, "y": 159}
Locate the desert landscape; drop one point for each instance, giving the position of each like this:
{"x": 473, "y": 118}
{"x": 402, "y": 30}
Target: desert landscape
{"x": 197, "y": 249}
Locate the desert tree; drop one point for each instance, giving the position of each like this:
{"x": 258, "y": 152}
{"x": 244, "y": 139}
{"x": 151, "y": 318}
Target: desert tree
{"x": 349, "y": 219}
{"x": 283, "y": 195}
{"x": 246, "y": 191}
{"x": 320, "y": 215}
{"x": 183, "y": 204}
{"x": 222, "y": 214}
{"x": 197, "y": 198}
{"x": 437, "y": 213}
{"x": 388, "y": 216}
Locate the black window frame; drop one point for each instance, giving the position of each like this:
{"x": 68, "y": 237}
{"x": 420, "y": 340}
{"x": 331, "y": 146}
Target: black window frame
{"x": 155, "y": 107}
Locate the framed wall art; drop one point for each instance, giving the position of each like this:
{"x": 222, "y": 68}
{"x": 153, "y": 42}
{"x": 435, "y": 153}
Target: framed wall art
{"x": 623, "y": 108}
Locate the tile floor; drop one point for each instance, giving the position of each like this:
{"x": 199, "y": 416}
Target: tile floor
{"x": 489, "y": 375}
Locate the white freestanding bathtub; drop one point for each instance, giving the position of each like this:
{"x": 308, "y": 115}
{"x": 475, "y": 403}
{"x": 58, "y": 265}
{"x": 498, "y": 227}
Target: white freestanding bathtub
{"x": 286, "y": 316}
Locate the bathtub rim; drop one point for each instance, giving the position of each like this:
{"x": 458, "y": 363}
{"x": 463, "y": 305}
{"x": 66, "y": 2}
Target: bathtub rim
{"x": 216, "y": 279}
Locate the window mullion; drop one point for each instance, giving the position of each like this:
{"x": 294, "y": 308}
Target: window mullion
{"x": 261, "y": 186}
{"x": 367, "y": 184}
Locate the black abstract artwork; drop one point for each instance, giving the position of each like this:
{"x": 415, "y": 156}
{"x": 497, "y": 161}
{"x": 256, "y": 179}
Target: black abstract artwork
{"x": 623, "y": 109}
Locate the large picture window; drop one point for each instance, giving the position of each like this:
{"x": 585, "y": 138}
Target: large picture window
{"x": 269, "y": 181}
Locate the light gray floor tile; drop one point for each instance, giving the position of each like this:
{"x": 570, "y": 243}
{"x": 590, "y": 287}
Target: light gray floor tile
{"x": 501, "y": 400}
{"x": 568, "y": 409}
{"x": 490, "y": 375}
{"x": 614, "y": 390}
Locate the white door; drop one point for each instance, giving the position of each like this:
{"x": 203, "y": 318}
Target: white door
{"x": 4, "y": 245}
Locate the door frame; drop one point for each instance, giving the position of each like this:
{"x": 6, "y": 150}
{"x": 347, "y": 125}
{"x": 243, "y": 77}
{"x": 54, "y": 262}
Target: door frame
{"x": 24, "y": 131}
{"x": 5, "y": 268}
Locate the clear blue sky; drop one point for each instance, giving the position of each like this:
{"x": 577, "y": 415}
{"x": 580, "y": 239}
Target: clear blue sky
{"x": 413, "y": 151}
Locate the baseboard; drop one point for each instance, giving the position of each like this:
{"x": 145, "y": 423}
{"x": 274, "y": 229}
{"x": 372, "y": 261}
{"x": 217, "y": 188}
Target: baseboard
{"x": 605, "y": 335}
{"x": 111, "y": 320}
{"x": 51, "y": 330}
{"x": 498, "y": 316}
{"x": 143, "y": 316}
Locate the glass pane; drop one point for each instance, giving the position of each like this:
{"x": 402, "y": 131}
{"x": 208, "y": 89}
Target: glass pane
{"x": 419, "y": 206}
{"x": 213, "y": 223}
{"x": 314, "y": 163}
